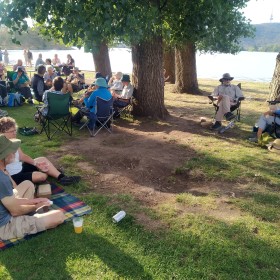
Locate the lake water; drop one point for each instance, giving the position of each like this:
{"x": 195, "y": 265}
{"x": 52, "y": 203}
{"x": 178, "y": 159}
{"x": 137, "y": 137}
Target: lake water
{"x": 250, "y": 66}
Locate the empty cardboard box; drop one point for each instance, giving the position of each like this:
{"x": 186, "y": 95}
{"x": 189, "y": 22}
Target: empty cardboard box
{"x": 44, "y": 191}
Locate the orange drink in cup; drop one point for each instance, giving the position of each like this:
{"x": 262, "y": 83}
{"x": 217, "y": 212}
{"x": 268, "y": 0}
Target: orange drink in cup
{"x": 78, "y": 224}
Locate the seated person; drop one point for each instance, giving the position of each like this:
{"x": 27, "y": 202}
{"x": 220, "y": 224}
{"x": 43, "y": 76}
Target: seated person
{"x": 3, "y": 92}
{"x": 115, "y": 83}
{"x": 266, "y": 120}
{"x": 2, "y": 71}
{"x": 17, "y": 202}
{"x": 49, "y": 76}
{"x": 75, "y": 81}
{"x": 90, "y": 102}
{"x": 68, "y": 66}
{"x": 39, "y": 61}
{"x": 38, "y": 84}
{"x": 23, "y": 167}
{"x": 22, "y": 82}
{"x": 124, "y": 99}
{"x": 59, "y": 87}
{"x": 227, "y": 96}
{"x": 19, "y": 63}
{"x": 56, "y": 61}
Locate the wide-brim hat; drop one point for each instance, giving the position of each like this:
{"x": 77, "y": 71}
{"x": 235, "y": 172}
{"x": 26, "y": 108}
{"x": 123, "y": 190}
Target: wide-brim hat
{"x": 226, "y": 76}
{"x": 274, "y": 146}
{"x": 125, "y": 78}
{"x": 8, "y": 146}
{"x": 101, "y": 82}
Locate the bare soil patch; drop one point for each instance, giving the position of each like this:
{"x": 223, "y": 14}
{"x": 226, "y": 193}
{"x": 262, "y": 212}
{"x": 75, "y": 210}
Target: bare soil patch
{"x": 141, "y": 159}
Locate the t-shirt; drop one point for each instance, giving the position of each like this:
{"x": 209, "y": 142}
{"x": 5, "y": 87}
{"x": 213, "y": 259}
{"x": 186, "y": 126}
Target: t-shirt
{"x": 23, "y": 79}
{"x": 16, "y": 166}
{"x": 127, "y": 91}
{"x": 6, "y": 189}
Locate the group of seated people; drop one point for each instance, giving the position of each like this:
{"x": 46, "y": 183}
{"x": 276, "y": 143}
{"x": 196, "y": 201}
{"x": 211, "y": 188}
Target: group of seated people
{"x": 18, "y": 174}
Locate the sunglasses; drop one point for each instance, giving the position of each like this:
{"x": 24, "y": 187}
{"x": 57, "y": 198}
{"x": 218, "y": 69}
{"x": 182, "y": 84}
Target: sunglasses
{"x": 227, "y": 79}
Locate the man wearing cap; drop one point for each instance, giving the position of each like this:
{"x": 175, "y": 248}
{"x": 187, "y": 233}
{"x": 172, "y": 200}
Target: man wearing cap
{"x": 75, "y": 81}
{"x": 227, "y": 96}
{"x": 125, "y": 98}
{"x": 17, "y": 202}
{"x": 22, "y": 82}
{"x": 90, "y": 100}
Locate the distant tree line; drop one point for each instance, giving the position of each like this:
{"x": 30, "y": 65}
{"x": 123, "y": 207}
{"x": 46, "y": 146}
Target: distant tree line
{"x": 32, "y": 40}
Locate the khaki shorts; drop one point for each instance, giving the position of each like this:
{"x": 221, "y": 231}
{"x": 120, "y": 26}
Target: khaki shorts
{"x": 20, "y": 226}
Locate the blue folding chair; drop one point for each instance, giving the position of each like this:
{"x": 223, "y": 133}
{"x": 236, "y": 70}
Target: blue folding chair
{"x": 103, "y": 118}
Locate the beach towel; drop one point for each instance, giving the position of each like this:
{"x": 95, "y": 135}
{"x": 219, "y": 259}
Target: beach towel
{"x": 71, "y": 205}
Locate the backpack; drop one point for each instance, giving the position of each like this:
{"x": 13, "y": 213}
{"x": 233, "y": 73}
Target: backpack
{"x": 15, "y": 99}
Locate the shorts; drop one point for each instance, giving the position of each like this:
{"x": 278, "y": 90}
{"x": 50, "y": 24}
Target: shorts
{"x": 20, "y": 226}
{"x": 25, "y": 173}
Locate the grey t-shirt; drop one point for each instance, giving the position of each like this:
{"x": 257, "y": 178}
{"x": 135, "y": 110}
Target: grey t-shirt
{"x": 6, "y": 189}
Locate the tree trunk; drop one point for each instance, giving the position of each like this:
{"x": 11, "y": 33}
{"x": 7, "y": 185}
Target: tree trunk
{"x": 275, "y": 83}
{"x": 147, "y": 59}
{"x": 101, "y": 59}
{"x": 169, "y": 65}
{"x": 185, "y": 69}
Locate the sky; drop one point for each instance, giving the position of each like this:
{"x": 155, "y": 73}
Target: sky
{"x": 260, "y": 11}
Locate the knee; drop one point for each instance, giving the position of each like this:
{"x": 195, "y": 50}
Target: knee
{"x": 59, "y": 217}
{"x": 39, "y": 177}
{"x": 28, "y": 185}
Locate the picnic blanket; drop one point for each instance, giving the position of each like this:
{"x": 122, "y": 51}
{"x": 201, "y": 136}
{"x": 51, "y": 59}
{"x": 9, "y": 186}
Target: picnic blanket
{"x": 70, "y": 204}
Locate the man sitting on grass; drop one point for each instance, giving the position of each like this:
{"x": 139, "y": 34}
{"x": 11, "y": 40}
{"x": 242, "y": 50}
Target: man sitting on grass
{"x": 17, "y": 203}
{"x": 227, "y": 96}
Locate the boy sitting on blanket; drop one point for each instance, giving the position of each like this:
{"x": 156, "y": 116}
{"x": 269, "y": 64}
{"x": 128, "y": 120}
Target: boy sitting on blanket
{"x": 17, "y": 202}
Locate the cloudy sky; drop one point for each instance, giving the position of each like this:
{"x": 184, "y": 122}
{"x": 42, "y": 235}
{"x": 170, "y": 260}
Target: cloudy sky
{"x": 259, "y": 11}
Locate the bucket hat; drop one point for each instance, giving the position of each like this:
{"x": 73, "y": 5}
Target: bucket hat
{"x": 275, "y": 146}
{"x": 8, "y": 146}
{"x": 101, "y": 82}
{"x": 226, "y": 76}
{"x": 125, "y": 78}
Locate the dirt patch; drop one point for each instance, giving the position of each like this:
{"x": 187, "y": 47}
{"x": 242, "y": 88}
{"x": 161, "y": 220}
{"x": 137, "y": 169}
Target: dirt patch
{"x": 141, "y": 160}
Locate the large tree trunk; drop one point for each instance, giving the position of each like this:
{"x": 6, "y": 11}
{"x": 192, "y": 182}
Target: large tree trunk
{"x": 275, "y": 83}
{"x": 185, "y": 69}
{"x": 101, "y": 59}
{"x": 147, "y": 59}
{"x": 169, "y": 65}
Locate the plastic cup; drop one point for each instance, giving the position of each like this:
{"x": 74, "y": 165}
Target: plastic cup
{"x": 78, "y": 224}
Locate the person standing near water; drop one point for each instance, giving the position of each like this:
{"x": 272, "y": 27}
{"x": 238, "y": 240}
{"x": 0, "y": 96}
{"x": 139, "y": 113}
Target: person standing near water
{"x": 6, "y": 57}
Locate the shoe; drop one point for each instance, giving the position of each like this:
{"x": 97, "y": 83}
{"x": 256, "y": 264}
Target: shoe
{"x": 217, "y": 125}
{"x": 30, "y": 101}
{"x": 253, "y": 139}
{"x": 229, "y": 116}
{"x": 69, "y": 180}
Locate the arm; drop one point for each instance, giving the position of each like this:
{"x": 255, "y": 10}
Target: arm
{"x": 22, "y": 206}
{"x": 25, "y": 158}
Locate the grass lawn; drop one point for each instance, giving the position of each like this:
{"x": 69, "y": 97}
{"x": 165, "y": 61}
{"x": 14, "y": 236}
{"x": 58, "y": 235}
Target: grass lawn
{"x": 191, "y": 242}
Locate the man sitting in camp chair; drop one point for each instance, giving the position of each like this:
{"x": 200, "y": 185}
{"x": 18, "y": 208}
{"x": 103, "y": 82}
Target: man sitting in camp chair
{"x": 90, "y": 101}
{"x": 123, "y": 100}
{"x": 59, "y": 87}
{"x": 227, "y": 95}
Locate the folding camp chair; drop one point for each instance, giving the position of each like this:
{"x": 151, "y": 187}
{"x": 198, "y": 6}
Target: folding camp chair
{"x": 103, "y": 118}
{"x": 58, "y": 116}
{"x": 126, "y": 110}
{"x": 9, "y": 83}
{"x": 235, "y": 108}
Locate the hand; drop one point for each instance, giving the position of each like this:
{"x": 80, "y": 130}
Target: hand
{"x": 220, "y": 98}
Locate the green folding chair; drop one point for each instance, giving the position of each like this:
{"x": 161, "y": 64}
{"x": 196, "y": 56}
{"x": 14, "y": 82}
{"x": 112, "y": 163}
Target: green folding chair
{"x": 58, "y": 118}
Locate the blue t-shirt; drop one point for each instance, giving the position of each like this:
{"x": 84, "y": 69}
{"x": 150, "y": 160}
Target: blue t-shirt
{"x": 101, "y": 92}
{"x": 6, "y": 189}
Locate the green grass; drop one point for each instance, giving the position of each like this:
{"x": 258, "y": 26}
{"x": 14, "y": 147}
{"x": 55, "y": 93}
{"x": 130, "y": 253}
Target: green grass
{"x": 196, "y": 238}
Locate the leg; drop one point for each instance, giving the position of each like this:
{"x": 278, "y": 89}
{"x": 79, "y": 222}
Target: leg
{"x": 224, "y": 107}
{"x": 25, "y": 190}
{"x": 52, "y": 171}
{"x": 51, "y": 219}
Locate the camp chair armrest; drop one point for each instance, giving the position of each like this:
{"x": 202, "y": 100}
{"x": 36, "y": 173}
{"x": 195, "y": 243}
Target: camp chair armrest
{"x": 240, "y": 98}
{"x": 212, "y": 98}
{"x": 273, "y": 102}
